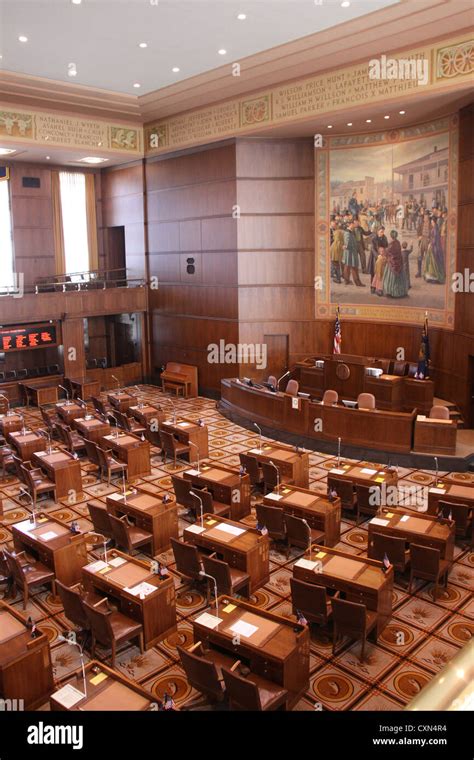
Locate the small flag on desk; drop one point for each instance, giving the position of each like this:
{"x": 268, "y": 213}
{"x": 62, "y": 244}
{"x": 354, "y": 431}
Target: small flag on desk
{"x": 337, "y": 333}
{"x": 300, "y": 618}
{"x": 168, "y": 702}
{"x": 386, "y": 561}
{"x": 262, "y": 529}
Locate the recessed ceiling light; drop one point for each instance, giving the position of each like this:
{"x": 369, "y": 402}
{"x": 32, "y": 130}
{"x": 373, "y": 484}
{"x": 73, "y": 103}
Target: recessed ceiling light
{"x": 92, "y": 160}
{"x": 329, "y": 126}
{"x": 76, "y": 2}
{"x": 369, "y": 121}
{"x": 71, "y": 70}
{"x": 22, "y": 38}
{"x": 242, "y": 16}
{"x": 402, "y": 112}
{"x": 345, "y": 4}
{"x": 136, "y": 84}
{"x": 387, "y": 117}
{"x": 7, "y": 151}
{"x": 349, "y": 123}
{"x": 222, "y": 51}
{"x": 47, "y": 158}
{"x": 175, "y": 69}
{"x": 143, "y": 44}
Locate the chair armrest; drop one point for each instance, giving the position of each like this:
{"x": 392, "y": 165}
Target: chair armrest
{"x": 101, "y": 601}
{"x": 235, "y": 665}
{"x": 195, "y": 646}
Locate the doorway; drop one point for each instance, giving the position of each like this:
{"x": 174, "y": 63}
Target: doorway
{"x": 115, "y": 253}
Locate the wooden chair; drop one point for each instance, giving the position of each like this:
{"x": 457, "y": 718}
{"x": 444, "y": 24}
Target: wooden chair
{"x": 273, "y": 518}
{"x": 391, "y": 546}
{"x": 19, "y": 471}
{"x": 426, "y": 563}
{"x": 438, "y": 412}
{"x": 131, "y": 425}
{"x": 27, "y": 573}
{"x": 101, "y": 407}
{"x": 209, "y": 504}
{"x": 345, "y": 491}
{"x": 353, "y": 620}
{"x": 129, "y": 537}
{"x": 229, "y": 580}
{"x": 100, "y": 518}
{"x": 188, "y": 560}
{"x": 366, "y": 401}
{"x": 6, "y": 458}
{"x": 330, "y": 398}
{"x": 369, "y": 499}
{"x": 297, "y": 533}
{"x": 111, "y": 628}
{"x": 171, "y": 447}
{"x": 109, "y": 464}
{"x": 74, "y": 441}
{"x": 270, "y": 480}
{"x": 253, "y": 470}
{"x": 37, "y": 483}
{"x": 292, "y": 387}
{"x": 252, "y": 692}
{"x": 203, "y": 674}
{"x": 50, "y": 419}
{"x": 311, "y": 600}
{"x": 182, "y": 490}
{"x": 71, "y": 599}
{"x": 92, "y": 455}
{"x": 459, "y": 513}
{"x": 399, "y": 368}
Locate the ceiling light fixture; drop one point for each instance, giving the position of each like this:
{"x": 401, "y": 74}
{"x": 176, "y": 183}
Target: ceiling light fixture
{"x": 402, "y": 112}
{"x": 349, "y": 123}
{"x": 175, "y": 69}
{"x": 329, "y": 126}
{"x": 47, "y": 158}
{"x": 387, "y": 117}
{"x": 136, "y": 84}
{"x": 71, "y": 70}
{"x": 76, "y": 2}
{"x": 143, "y": 44}
{"x": 345, "y": 4}
{"x": 92, "y": 160}
{"x": 242, "y": 16}
{"x": 368, "y": 121}
{"x": 22, "y": 38}
{"x": 6, "y": 151}
{"x": 222, "y": 51}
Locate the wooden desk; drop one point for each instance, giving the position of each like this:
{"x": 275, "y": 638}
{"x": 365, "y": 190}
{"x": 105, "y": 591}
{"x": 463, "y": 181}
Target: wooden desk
{"x": 180, "y": 376}
{"x": 121, "y": 400}
{"x": 415, "y": 528}
{"x": 26, "y": 444}
{"x": 318, "y": 511}
{"x": 85, "y": 387}
{"x": 156, "y": 612}
{"x": 70, "y": 411}
{"x": 365, "y": 476}
{"x": 360, "y": 579}
{"x": 225, "y": 484}
{"x": 291, "y": 464}
{"x": 25, "y": 664}
{"x": 278, "y": 650}
{"x": 246, "y": 550}
{"x": 10, "y": 423}
{"x": 41, "y": 394}
{"x": 106, "y": 689}
{"x": 146, "y": 414}
{"x": 437, "y": 436}
{"x": 418, "y": 394}
{"x": 149, "y": 513}
{"x": 387, "y": 389}
{"x": 131, "y": 450}
{"x": 65, "y": 553}
{"x": 91, "y": 427}
{"x": 444, "y": 492}
{"x": 189, "y": 432}
{"x": 62, "y": 468}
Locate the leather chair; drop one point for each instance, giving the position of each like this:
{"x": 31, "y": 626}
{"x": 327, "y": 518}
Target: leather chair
{"x": 293, "y": 387}
{"x": 72, "y": 598}
{"x": 6, "y": 578}
{"x": 74, "y": 441}
{"x": 111, "y": 628}
{"x": 252, "y": 692}
{"x": 412, "y": 369}
{"x": 27, "y": 573}
{"x": 366, "y": 401}
{"x": 100, "y": 518}
{"x": 110, "y": 465}
{"x": 37, "y": 483}
{"x": 171, "y": 447}
{"x": 229, "y": 580}
{"x": 383, "y": 364}
{"x": 438, "y": 412}
{"x": 297, "y": 533}
{"x": 399, "y": 368}
{"x": 330, "y": 398}
{"x": 272, "y": 381}
{"x": 459, "y": 513}
{"x": 6, "y": 458}
{"x": 209, "y": 504}
{"x": 391, "y": 546}
{"x": 353, "y": 620}
{"x": 345, "y": 491}
{"x": 311, "y": 600}
{"x": 19, "y": 469}
{"x": 253, "y": 470}
{"x": 426, "y": 563}
{"x": 188, "y": 560}
{"x": 369, "y": 499}
{"x": 50, "y": 419}
{"x": 270, "y": 480}
{"x": 92, "y": 455}
{"x": 101, "y": 407}
{"x": 273, "y": 518}
{"x": 182, "y": 490}
{"x": 131, "y": 425}
{"x": 129, "y": 537}
{"x": 204, "y": 673}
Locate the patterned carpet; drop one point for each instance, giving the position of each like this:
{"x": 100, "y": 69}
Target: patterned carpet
{"x": 395, "y": 669}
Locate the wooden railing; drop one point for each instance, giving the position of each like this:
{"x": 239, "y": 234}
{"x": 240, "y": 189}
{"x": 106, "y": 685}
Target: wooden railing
{"x": 97, "y": 279}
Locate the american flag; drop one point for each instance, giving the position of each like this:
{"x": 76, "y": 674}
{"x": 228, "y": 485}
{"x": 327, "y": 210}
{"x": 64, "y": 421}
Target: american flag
{"x": 337, "y": 333}
{"x": 301, "y": 618}
{"x": 386, "y": 561}
{"x": 262, "y": 529}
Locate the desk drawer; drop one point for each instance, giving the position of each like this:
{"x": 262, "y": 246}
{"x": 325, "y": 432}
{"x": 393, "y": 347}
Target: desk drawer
{"x": 132, "y": 609}
{"x": 220, "y": 493}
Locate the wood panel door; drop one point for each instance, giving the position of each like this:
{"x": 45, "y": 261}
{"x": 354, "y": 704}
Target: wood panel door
{"x": 277, "y": 354}
{"x": 115, "y": 248}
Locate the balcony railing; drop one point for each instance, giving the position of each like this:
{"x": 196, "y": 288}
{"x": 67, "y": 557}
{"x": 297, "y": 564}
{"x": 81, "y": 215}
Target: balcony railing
{"x": 97, "y": 279}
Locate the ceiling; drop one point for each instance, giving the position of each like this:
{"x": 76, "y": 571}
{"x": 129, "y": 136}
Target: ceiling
{"x": 101, "y": 37}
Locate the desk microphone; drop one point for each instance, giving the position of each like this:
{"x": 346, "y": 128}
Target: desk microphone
{"x": 211, "y": 577}
{"x": 278, "y": 474}
{"x": 309, "y": 536}
{"x": 116, "y": 424}
{"x": 116, "y": 380}
{"x": 81, "y": 402}
{"x": 65, "y": 391}
{"x": 73, "y": 643}
{"x": 281, "y": 378}
{"x": 198, "y": 460}
{"x": 260, "y": 434}
{"x": 192, "y": 493}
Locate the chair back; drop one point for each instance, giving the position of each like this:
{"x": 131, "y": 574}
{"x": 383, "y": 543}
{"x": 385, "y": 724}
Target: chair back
{"x": 14, "y": 566}
{"x": 251, "y": 465}
{"x": 369, "y": 498}
{"x": 460, "y": 515}
{"x": 91, "y": 450}
{"x": 272, "y": 380}
{"x": 438, "y": 412}
{"x": 273, "y": 518}
{"x": 366, "y": 401}
{"x": 29, "y": 480}
{"x": 292, "y": 387}
{"x": 72, "y": 444}
{"x": 168, "y": 442}
{"x": 220, "y": 571}
{"x": 412, "y": 369}
{"x": 330, "y": 398}
{"x": 99, "y": 405}
{"x": 99, "y": 621}
{"x": 399, "y": 368}
{"x": 349, "y": 617}
{"x": 297, "y": 533}
{"x": 201, "y": 674}
{"x": 122, "y": 420}
{"x": 344, "y": 489}
{"x": 18, "y": 464}
{"x": 207, "y": 502}
{"x": 186, "y": 558}
{"x": 270, "y": 475}
{"x": 309, "y": 599}
{"x": 391, "y": 546}
{"x": 182, "y": 488}
{"x": 120, "y": 532}
{"x": 62, "y": 432}
{"x": 103, "y": 457}
{"x": 424, "y": 561}
{"x": 153, "y": 436}
{"x": 241, "y": 692}
{"x": 100, "y": 518}
{"x": 72, "y": 604}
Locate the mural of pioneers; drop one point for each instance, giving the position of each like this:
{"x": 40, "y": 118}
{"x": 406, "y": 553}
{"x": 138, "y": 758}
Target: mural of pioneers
{"x": 391, "y": 238}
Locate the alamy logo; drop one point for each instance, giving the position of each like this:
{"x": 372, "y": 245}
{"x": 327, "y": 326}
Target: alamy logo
{"x": 12, "y": 705}
{"x": 399, "y": 68}
{"x": 46, "y": 734}
{"x": 240, "y": 353}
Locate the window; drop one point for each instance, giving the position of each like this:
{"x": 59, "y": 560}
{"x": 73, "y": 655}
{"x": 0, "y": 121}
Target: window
{"x": 74, "y": 216}
{"x": 6, "y": 241}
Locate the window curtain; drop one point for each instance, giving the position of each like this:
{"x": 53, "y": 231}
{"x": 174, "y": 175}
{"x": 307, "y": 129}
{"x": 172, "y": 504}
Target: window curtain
{"x": 91, "y": 222}
{"x": 6, "y": 238}
{"x": 73, "y": 210}
{"x": 59, "y": 253}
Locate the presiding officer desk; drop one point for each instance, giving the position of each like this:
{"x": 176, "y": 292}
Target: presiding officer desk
{"x": 369, "y": 428}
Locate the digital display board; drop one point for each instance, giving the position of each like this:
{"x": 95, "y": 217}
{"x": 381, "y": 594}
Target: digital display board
{"x": 31, "y": 336}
